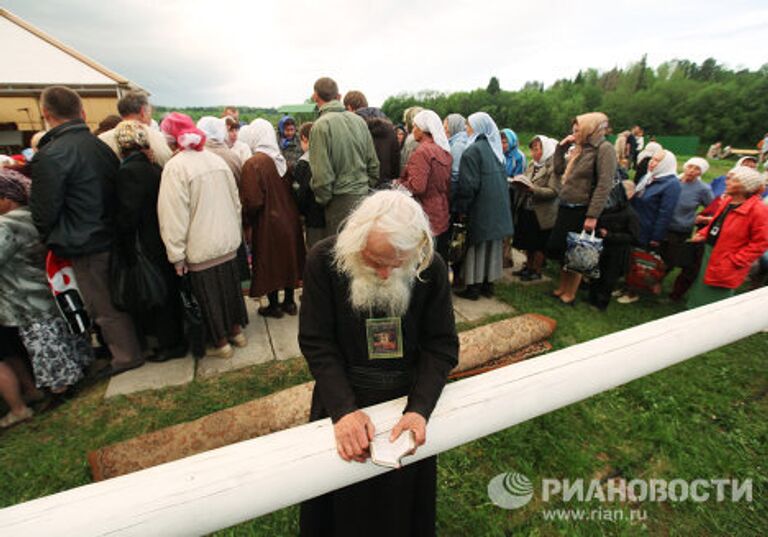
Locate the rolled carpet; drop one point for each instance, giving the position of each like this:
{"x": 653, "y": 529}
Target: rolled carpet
{"x": 290, "y": 407}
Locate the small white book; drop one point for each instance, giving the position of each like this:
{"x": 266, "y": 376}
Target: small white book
{"x": 520, "y": 180}
{"x": 386, "y": 453}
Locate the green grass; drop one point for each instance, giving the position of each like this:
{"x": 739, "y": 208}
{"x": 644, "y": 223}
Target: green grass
{"x": 705, "y": 418}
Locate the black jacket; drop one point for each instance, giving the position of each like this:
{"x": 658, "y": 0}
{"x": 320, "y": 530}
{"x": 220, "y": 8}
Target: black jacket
{"x": 138, "y": 184}
{"x": 72, "y": 197}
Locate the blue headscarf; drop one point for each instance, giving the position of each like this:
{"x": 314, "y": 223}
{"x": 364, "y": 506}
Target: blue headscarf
{"x": 285, "y": 142}
{"x": 482, "y": 123}
{"x": 514, "y": 159}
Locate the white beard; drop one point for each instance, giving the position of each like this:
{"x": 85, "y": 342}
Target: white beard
{"x": 368, "y": 292}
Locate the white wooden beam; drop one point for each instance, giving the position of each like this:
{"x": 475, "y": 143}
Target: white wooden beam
{"x": 219, "y": 488}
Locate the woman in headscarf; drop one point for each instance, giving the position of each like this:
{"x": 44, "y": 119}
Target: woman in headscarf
{"x": 694, "y": 193}
{"x": 718, "y": 183}
{"x": 733, "y": 240}
{"x": 428, "y": 175}
{"x": 456, "y": 131}
{"x": 215, "y": 129}
{"x": 199, "y": 212}
{"x": 644, "y": 158}
{"x": 514, "y": 160}
{"x": 58, "y": 357}
{"x": 401, "y": 135}
{"x": 137, "y": 185}
{"x": 410, "y": 142}
{"x": 268, "y": 204}
{"x": 483, "y": 201}
{"x": 654, "y": 202}
{"x": 289, "y": 141}
{"x": 536, "y": 206}
{"x": 586, "y": 181}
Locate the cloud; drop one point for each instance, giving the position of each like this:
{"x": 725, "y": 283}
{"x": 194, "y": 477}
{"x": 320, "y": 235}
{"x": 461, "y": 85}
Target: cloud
{"x": 197, "y": 52}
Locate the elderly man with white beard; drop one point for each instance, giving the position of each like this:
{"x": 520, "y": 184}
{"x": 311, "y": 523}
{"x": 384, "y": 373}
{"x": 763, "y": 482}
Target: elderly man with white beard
{"x": 376, "y": 323}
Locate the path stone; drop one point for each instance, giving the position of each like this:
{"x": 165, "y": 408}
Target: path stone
{"x": 258, "y": 350}
{"x": 474, "y": 310}
{"x": 283, "y": 333}
{"x": 153, "y": 376}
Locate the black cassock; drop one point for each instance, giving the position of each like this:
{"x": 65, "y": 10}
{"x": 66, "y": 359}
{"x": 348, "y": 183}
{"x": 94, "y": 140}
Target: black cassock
{"x": 333, "y": 340}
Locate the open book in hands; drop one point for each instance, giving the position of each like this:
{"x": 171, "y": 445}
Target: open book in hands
{"x": 520, "y": 180}
{"x": 386, "y": 453}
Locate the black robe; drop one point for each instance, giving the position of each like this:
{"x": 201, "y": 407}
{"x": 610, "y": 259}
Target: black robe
{"x": 333, "y": 340}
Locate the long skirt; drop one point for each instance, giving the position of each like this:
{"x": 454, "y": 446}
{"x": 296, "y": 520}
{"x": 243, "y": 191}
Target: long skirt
{"x": 483, "y": 262}
{"x": 702, "y": 294}
{"x": 528, "y": 234}
{"x": 217, "y": 290}
{"x": 58, "y": 357}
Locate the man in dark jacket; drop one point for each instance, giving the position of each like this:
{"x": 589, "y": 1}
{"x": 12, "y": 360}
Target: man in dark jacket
{"x": 72, "y": 199}
{"x": 383, "y": 133}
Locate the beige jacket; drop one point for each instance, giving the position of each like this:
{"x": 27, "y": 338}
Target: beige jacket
{"x": 542, "y": 198}
{"x": 157, "y": 144}
{"x": 199, "y": 210}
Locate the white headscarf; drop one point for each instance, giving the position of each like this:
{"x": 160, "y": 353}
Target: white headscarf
{"x": 650, "y": 150}
{"x": 428, "y": 121}
{"x": 215, "y": 128}
{"x": 548, "y": 146}
{"x": 699, "y": 162}
{"x": 261, "y": 137}
{"x": 666, "y": 166}
{"x": 482, "y": 123}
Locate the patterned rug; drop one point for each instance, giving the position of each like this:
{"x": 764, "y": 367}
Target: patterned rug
{"x": 482, "y": 349}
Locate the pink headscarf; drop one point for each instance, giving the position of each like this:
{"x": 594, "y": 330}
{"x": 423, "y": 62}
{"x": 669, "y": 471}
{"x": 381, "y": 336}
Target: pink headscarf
{"x": 181, "y": 128}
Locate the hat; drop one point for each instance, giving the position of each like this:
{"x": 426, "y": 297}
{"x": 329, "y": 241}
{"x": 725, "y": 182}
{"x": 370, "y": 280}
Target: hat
{"x": 750, "y": 179}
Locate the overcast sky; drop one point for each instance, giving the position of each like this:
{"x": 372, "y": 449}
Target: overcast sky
{"x": 269, "y": 53}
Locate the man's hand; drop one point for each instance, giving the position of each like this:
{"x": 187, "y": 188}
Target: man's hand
{"x": 698, "y": 238}
{"x": 181, "y": 268}
{"x": 414, "y": 422}
{"x": 353, "y": 435}
{"x": 703, "y": 219}
{"x": 590, "y": 224}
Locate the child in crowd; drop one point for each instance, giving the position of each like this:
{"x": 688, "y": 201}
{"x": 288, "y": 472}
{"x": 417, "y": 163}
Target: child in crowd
{"x": 313, "y": 212}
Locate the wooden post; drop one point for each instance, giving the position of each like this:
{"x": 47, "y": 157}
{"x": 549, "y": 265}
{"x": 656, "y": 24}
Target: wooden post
{"x": 217, "y": 489}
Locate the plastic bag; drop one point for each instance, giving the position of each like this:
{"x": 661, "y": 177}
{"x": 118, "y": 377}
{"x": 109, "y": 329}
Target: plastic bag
{"x": 582, "y": 254}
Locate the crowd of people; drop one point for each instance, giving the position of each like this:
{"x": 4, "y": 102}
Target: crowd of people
{"x": 204, "y": 208}
{"x": 157, "y": 228}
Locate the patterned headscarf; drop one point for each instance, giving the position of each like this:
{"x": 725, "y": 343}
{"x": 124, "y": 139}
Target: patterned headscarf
{"x": 14, "y": 186}
{"x": 131, "y": 135}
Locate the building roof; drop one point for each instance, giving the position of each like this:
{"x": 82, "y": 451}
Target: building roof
{"x": 304, "y": 108}
{"x": 40, "y": 59}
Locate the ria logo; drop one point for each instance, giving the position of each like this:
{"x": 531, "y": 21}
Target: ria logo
{"x": 510, "y": 490}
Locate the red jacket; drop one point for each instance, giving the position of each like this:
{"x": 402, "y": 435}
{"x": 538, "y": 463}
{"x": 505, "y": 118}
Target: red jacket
{"x": 743, "y": 239}
{"x": 428, "y": 176}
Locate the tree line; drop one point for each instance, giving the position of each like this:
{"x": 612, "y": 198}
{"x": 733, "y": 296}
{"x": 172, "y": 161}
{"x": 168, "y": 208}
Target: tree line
{"x": 679, "y": 97}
